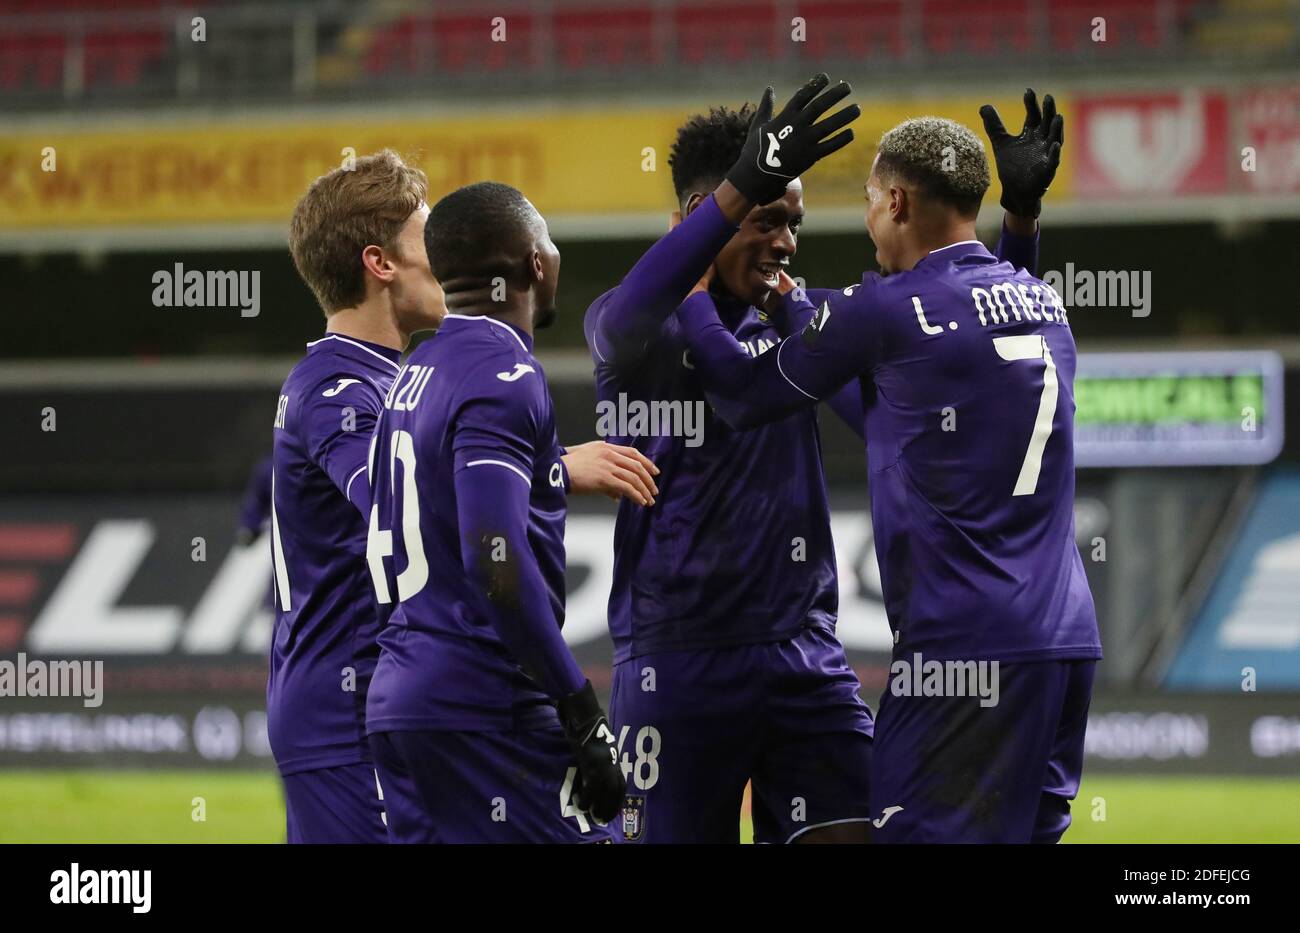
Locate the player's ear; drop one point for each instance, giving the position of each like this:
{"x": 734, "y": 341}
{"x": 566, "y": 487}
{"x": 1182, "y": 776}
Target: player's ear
{"x": 375, "y": 261}
{"x": 536, "y": 268}
{"x": 694, "y": 201}
{"x": 900, "y": 205}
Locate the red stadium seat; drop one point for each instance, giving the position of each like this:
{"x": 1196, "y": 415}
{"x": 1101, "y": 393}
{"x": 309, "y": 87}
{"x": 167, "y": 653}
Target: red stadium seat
{"x": 856, "y": 29}
{"x": 464, "y": 43}
{"x": 601, "y": 38}
{"x": 1128, "y": 23}
{"x": 401, "y": 46}
{"x": 120, "y": 58}
{"x": 731, "y": 33}
{"x": 985, "y": 29}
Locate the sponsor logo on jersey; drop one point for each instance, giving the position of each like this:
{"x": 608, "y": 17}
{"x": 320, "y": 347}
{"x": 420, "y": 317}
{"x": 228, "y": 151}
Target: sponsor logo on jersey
{"x": 343, "y": 384}
{"x": 885, "y": 815}
{"x": 520, "y": 370}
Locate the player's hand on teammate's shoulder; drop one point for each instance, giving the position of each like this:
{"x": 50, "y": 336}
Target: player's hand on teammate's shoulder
{"x": 1027, "y": 162}
{"x": 599, "y": 786}
{"x": 781, "y": 148}
{"x": 611, "y": 470}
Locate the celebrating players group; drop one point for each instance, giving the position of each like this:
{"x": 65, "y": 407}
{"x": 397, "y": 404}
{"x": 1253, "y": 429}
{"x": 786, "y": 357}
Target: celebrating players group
{"x": 420, "y": 687}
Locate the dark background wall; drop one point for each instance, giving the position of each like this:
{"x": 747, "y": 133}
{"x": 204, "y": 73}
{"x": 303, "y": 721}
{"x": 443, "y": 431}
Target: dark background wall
{"x": 1205, "y": 281}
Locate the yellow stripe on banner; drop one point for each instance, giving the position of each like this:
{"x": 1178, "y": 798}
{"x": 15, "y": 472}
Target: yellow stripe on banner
{"x": 588, "y": 162}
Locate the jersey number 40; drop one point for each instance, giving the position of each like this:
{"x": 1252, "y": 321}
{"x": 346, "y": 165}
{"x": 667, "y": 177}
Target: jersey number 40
{"x": 379, "y": 542}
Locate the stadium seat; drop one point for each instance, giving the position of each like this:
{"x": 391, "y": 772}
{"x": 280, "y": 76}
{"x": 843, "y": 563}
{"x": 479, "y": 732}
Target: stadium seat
{"x": 858, "y": 29}
{"x": 1129, "y": 23}
{"x": 728, "y": 34}
{"x": 601, "y": 38}
{"x": 951, "y": 27}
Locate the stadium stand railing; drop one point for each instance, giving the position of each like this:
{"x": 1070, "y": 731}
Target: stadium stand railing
{"x": 85, "y": 52}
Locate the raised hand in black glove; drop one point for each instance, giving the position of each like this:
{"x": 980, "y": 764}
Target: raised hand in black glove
{"x": 598, "y": 789}
{"x": 780, "y": 149}
{"x": 1026, "y": 163}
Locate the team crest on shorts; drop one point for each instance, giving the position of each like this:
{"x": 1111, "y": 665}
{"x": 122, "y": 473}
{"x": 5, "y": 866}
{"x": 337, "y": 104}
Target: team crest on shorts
{"x": 633, "y": 818}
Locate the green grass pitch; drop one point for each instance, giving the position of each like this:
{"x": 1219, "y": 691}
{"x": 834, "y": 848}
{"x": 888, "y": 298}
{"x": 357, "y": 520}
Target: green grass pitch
{"x": 145, "y": 806}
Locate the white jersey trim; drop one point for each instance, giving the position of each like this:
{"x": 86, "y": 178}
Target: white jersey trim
{"x": 484, "y": 317}
{"x": 355, "y": 473}
{"x": 852, "y": 819}
{"x": 781, "y": 370}
{"x": 378, "y": 356}
{"x": 509, "y": 466}
{"x": 951, "y": 245}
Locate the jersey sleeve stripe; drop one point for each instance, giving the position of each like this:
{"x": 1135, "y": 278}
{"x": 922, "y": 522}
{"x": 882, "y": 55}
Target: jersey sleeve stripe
{"x": 347, "y": 488}
{"x": 509, "y": 466}
{"x": 781, "y": 370}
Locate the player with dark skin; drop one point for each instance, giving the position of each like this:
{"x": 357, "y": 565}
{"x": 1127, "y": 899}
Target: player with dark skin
{"x": 530, "y": 270}
{"x": 611, "y": 470}
{"x": 752, "y": 266}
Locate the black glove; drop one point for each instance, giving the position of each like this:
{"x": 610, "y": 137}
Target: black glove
{"x": 1026, "y": 163}
{"x": 779, "y": 150}
{"x": 600, "y": 784}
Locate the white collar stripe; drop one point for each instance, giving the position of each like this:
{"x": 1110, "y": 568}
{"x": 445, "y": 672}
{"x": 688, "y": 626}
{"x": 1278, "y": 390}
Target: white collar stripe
{"x": 484, "y": 317}
{"x": 951, "y": 245}
{"x": 359, "y": 346}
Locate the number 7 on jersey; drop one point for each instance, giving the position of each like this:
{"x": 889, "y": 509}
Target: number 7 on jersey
{"x": 1033, "y": 347}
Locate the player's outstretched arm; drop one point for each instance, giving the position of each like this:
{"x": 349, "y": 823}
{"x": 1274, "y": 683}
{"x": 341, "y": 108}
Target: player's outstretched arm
{"x": 628, "y": 318}
{"x": 777, "y": 150}
{"x": 1027, "y": 162}
{"x": 1026, "y": 166}
{"x": 795, "y": 374}
{"x": 611, "y": 470}
{"x": 1018, "y": 248}
{"x": 791, "y": 308}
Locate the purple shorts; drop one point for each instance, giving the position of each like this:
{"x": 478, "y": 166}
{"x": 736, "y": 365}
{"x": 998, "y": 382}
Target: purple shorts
{"x": 694, "y": 726}
{"x": 948, "y": 769}
{"x": 480, "y": 787}
{"x": 341, "y": 805}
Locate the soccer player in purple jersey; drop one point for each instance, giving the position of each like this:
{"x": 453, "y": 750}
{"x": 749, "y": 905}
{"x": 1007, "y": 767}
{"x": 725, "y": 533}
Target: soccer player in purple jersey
{"x": 967, "y": 368}
{"x": 724, "y": 600}
{"x": 357, "y": 239}
{"x": 484, "y": 727}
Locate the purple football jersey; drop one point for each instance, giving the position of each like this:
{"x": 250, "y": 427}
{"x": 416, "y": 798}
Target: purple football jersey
{"x": 473, "y": 397}
{"x": 970, "y": 439}
{"x": 738, "y": 547}
{"x": 323, "y": 649}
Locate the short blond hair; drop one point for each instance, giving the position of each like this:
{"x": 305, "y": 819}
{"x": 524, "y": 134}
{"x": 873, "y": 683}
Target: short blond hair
{"x": 345, "y": 211}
